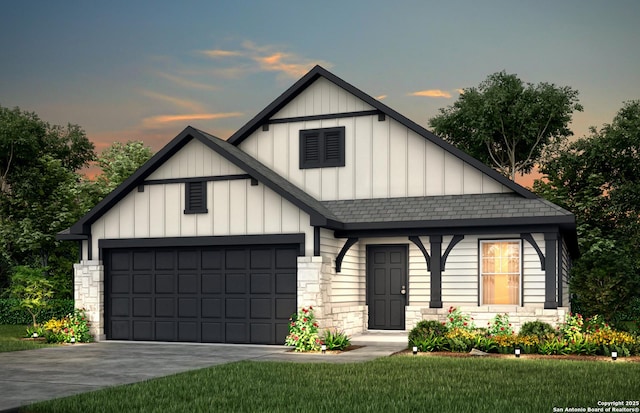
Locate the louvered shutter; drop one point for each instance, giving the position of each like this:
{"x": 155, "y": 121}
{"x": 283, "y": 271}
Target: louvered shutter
{"x": 321, "y": 148}
{"x": 196, "y": 197}
{"x": 332, "y": 147}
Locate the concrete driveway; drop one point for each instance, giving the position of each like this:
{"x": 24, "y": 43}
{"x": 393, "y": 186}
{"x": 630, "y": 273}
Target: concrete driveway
{"x": 49, "y": 373}
{"x": 36, "y": 375}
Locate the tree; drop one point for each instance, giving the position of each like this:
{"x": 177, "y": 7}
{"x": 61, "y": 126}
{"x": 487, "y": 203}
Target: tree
{"x": 39, "y": 178}
{"x": 31, "y": 289}
{"x": 597, "y": 177}
{"x": 506, "y": 123}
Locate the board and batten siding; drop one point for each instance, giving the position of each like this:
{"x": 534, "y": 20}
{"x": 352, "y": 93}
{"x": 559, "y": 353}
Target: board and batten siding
{"x": 235, "y": 207}
{"x": 565, "y": 274}
{"x": 460, "y": 280}
{"x": 383, "y": 159}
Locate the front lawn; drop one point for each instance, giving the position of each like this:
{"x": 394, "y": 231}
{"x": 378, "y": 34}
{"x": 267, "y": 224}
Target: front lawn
{"x": 10, "y": 339}
{"x": 390, "y": 384}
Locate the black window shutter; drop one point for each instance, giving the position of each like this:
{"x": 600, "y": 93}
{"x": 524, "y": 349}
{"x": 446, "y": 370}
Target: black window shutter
{"x": 196, "y": 197}
{"x": 321, "y": 148}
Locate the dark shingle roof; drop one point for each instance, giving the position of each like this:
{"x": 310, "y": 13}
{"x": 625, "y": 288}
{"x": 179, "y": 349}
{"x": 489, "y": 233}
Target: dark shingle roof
{"x": 449, "y": 210}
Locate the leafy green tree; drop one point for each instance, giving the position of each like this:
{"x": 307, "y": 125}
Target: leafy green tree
{"x": 506, "y": 123}
{"x": 32, "y": 290}
{"x": 598, "y": 178}
{"x": 39, "y": 196}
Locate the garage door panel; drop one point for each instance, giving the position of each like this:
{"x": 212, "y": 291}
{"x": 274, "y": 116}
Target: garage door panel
{"x": 211, "y": 283}
{"x": 261, "y": 308}
{"x": 236, "y": 294}
{"x": 142, "y": 307}
{"x": 188, "y": 331}
{"x": 285, "y": 307}
{"x": 212, "y": 333}
{"x": 165, "y": 260}
{"x": 236, "y": 333}
{"x": 236, "y": 259}
{"x": 165, "y": 283}
{"x": 143, "y": 330}
{"x": 165, "y": 330}
{"x": 212, "y": 307}
{"x": 120, "y": 330}
{"x": 211, "y": 259}
{"x": 235, "y": 283}
{"x": 261, "y": 333}
{"x": 119, "y": 306}
{"x": 188, "y": 260}
{"x": 120, "y": 283}
{"x": 286, "y": 283}
{"x": 261, "y": 283}
{"x": 142, "y": 284}
{"x": 165, "y": 307}
{"x": 187, "y": 307}
{"x": 261, "y": 258}
{"x": 188, "y": 283}
{"x": 236, "y": 308}
{"x": 143, "y": 260}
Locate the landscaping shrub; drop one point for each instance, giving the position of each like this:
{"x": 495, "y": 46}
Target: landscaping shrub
{"x": 11, "y": 314}
{"x": 500, "y": 325}
{"x": 65, "y": 330}
{"x": 427, "y": 335}
{"x": 303, "y": 331}
{"x": 536, "y": 328}
{"x": 335, "y": 340}
{"x": 455, "y": 319}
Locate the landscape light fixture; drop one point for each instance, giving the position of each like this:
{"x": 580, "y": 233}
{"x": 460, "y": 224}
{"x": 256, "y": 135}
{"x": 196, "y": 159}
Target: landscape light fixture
{"x": 415, "y": 350}
{"x": 517, "y": 353}
{"x": 614, "y": 355}
{"x": 323, "y": 348}
{"x": 34, "y": 335}
{"x": 73, "y": 340}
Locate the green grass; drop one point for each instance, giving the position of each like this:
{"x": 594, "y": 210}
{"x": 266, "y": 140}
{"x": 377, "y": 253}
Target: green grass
{"x": 10, "y": 336}
{"x": 390, "y": 384}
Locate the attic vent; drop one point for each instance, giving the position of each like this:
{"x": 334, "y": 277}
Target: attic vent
{"x": 196, "y": 197}
{"x": 321, "y": 148}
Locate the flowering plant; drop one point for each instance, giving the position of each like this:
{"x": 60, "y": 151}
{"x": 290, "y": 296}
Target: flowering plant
{"x": 500, "y": 326}
{"x": 73, "y": 327}
{"x": 303, "y": 331}
{"x": 455, "y": 319}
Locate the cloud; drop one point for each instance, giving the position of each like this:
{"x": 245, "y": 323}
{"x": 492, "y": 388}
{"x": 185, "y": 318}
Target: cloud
{"x": 221, "y": 53}
{"x": 460, "y": 91}
{"x": 155, "y": 121}
{"x": 381, "y": 97}
{"x": 182, "y": 103}
{"x": 187, "y": 83}
{"x": 431, "y": 93}
{"x": 264, "y": 58}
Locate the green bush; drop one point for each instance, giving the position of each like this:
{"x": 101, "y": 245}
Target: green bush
{"x": 536, "y": 328}
{"x": 11, "y": 314}
{"x": 336, "y": 340}
{"x": 423, "y": 334}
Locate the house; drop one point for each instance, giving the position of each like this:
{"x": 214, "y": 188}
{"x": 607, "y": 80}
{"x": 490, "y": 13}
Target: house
{"x": 327, "y": 198}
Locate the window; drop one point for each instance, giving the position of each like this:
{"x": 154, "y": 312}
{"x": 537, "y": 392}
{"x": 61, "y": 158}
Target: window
{"x": 500, "y": 271}
{"x": 195, "y": 197}
{"x": 321, "y": 148}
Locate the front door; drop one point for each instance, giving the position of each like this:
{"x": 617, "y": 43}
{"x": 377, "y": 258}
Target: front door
{"x": 386, "y": 286}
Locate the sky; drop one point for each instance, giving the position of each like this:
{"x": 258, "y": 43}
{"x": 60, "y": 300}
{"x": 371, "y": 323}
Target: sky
{"x": 144, "y": 70}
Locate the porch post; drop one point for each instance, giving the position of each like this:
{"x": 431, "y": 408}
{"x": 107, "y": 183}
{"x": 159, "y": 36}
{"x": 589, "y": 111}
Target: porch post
{"x": 551, "y": 274}
{"x": 436, "y": 271}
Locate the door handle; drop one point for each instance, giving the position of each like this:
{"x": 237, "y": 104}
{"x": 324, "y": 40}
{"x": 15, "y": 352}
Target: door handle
{"x": 403, "y": 290}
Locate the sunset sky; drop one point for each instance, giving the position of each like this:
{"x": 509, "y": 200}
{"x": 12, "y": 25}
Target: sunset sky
{"x": 145, "y": 70}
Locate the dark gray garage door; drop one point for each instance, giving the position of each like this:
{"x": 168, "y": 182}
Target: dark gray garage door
{"x": 218, "y": 295}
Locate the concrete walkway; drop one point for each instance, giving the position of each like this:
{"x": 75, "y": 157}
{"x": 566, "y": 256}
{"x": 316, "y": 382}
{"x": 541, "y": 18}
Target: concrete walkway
{"x": 36, "y": 375}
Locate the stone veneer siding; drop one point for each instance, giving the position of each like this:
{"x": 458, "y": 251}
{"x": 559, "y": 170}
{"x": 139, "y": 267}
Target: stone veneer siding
{"x": 89, "y": 294}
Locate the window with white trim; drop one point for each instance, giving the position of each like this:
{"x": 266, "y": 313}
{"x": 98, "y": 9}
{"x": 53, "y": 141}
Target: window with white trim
{"x": 500, "y": 271}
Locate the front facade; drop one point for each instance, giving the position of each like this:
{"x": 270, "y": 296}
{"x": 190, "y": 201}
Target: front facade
{"x": 326, "y": 198}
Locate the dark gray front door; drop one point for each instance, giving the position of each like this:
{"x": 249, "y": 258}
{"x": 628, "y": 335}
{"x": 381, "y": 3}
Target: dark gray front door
{"x": 386, "y": 286}
{"x": 242, "y": 294}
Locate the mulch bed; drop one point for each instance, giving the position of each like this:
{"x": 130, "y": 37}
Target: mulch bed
{"x": 633, "y": 359}
{"x": 352, "y": 347}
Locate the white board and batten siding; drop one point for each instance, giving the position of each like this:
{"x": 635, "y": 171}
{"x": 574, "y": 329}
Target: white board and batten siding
{"x": 235, "y": 207}
{"x": 383, "y": 159}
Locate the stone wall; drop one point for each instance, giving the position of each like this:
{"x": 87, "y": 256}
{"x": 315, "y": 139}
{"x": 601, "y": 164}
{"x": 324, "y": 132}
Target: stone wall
{"x": 89, "y": 294}
{"x": 484, "y": 314}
